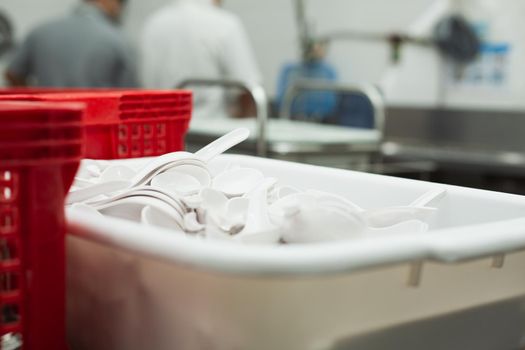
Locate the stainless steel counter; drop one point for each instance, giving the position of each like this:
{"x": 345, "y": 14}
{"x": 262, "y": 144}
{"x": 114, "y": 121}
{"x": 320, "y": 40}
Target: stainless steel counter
{"x": 492, "y": 141}
{"x": 296, "y": 141}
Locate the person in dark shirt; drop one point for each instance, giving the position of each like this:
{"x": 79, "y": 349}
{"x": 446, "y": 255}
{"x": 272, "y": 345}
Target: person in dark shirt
{"x": 83, "y": 49}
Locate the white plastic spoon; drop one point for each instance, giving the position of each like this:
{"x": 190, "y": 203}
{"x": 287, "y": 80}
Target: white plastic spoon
{"x": 84, "y": 194}
{"x": 150, "y": 215}
{"x": 191, "y": 224}
{"x": 84, "y": 208}
{"x": 201, "y": 174}
{"x": 237, "y": 182}
{"x": 409, "y": 226}
{"x": 117, "y": 173}
{"x": 176, "y": 182}
{"x": 257, "y": 217}
{"x": 222, "y": 144}
{"x": 428, "y": 197}
{"x": 204, "y": 155}
{"x": 131, "y": 208}
{"x": 389, "y": 216}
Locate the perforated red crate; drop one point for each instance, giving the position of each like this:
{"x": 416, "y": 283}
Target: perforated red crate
{"x": 127, "y": 123}
{"x": 38, "y": 162}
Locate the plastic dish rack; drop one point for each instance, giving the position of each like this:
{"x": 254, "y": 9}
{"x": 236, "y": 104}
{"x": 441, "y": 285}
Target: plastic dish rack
{"x": 126, "y": 123}
{"x": 459, "y": 286}
{"x": 40, "y": 149}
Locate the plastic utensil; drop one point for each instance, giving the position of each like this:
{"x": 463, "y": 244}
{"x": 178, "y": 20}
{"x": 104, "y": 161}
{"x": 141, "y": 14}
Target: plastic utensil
{"x": 86, "y": 209}
{"x": 159, "y": 165}
{"x": 428, "y": 197}
{"x": 144, "y": 191}
{"x": 222, "y": 144}
{"x": 191, "y": 224}
{"x": 204, "y": 155}
{"x": 131, "y": 207}
{"x": 201, "y": 174}
{"x": 237, "y": 182}
{"x": 117, "y": 173}
{"x": 409, "y": 226}
{"x": 257, "y": 218}
{"x": 151, "y": 215}
{"x": 177, "y": 182}
{"x": 389, "y": 216}
{"x": 96, "y": 190}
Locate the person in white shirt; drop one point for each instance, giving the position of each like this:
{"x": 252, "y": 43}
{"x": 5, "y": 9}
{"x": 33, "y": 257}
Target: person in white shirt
{"x": 197, "y": 39}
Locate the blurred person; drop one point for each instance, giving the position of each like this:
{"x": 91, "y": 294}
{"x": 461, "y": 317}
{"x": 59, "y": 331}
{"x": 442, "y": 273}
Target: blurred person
{"x": 198, "y": 39}
{"x": 309, "y": 105}
{"x": 83, "y": 49}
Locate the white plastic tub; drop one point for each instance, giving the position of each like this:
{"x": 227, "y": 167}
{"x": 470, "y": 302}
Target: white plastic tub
{"x": 136, "y": 288}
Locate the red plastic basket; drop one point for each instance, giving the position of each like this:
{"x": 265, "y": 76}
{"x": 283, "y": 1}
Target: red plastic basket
{"x": 127, "y": 123}
{"x": 36, "y": 171}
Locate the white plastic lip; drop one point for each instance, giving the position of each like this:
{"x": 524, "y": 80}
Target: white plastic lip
{"x": 447, "y": 245}
{"x": 444, "y": 245}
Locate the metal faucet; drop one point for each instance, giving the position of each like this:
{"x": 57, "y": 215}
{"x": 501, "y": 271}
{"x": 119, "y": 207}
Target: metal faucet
{"x": 256, "y": 92}
{"x": 370, "y": 91}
